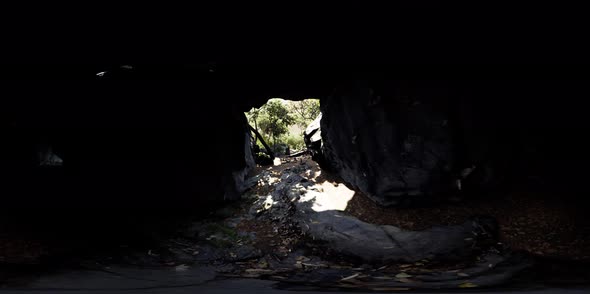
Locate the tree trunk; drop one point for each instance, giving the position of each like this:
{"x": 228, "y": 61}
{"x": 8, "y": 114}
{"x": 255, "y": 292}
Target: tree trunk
{"x": 272, "y": 156}
{"x": 256, "y": 128}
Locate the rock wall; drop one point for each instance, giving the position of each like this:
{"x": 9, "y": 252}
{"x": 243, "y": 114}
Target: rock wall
{"x": 391, "y": 146}
{"x": 129, "y": 146}
{"x": 412, "y": 142}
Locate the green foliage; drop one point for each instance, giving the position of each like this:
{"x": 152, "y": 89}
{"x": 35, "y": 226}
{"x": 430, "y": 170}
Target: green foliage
{"x": 295, "y": 142}
{"x": 307, "y": 109}
{"x": 220, "y": 236}
{"x": 253, "y": 115}
{"x": 279, "y": 149}
{"x": 263, "y": 155}
{"x": 280, "y": 121}
{"x": 305, "y": 112}
{"x": 262, "y": 158}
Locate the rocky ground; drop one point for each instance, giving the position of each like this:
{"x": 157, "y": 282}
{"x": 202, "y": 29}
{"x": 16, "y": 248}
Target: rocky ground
{"x": 300, "y": 226}
{"x": 540, "y": 225}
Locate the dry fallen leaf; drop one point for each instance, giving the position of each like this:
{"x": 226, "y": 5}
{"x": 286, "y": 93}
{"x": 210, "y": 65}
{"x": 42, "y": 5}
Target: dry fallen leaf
{"x": 462, "y": 275}
{"x": 468, "y": 285}
{"x": 350, "y": 277}
{"x": 403, "y": 275}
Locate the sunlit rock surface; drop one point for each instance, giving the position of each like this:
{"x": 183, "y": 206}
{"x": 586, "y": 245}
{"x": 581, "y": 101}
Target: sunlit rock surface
{"x": 318, "y": 211}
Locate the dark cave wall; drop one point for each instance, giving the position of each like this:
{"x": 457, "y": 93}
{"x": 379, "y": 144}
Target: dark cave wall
{"x": 390, "y": 145}
{"x": 128, "y": 146}
{"x": 407, "y": 142}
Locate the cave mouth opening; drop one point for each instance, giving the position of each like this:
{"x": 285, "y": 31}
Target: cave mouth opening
{"x": 285, "y": 137}
{"x": 278, "y": 127}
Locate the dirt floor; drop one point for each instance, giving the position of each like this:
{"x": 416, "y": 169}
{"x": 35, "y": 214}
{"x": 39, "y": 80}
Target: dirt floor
{"x": 531, "y": 221}
{"x": 544, "y": 227}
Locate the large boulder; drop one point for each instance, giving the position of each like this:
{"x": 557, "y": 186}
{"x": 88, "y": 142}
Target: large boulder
{"x": 389, "y": 147}
{"x": 411, "y": 142}
{"x": 313, "y": 140}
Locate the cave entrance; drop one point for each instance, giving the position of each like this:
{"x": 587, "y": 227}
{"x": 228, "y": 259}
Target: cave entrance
{"x": 285, "y": 136}
{"x": 278, "y": 127}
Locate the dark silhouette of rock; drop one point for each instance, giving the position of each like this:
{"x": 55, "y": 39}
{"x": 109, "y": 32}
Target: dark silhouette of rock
{"x": 417, "y": 142}
{"x": 313, "y": 141}
{"x": 391, "y": 146}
